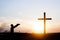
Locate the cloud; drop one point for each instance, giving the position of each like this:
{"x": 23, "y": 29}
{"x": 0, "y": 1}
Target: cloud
{"x": 4, "y": 27}
{"x": 6, "y": 22}
{"x": 1, "y": 29}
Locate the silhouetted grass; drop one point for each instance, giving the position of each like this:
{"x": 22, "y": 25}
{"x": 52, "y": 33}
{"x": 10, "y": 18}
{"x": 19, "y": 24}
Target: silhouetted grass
{"x": 29, "y": 36}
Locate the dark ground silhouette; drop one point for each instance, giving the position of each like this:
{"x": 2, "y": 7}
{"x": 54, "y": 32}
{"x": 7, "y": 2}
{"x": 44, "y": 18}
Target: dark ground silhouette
{"x": 27, "y": 36}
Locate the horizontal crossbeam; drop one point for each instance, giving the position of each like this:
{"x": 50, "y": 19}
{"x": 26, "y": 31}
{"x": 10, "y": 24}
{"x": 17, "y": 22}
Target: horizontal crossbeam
{"x": 45, "y": 19}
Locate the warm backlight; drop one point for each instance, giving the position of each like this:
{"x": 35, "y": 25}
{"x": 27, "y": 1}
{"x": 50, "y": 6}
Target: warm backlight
{"x": 38, "y": 27}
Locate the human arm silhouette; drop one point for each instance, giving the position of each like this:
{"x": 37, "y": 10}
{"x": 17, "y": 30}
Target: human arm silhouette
{"x": 16, "y": 25}
{"x": 12, "y": 27}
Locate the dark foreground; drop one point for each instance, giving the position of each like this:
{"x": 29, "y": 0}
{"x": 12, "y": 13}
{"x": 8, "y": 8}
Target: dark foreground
{"x": 27, "y": 36}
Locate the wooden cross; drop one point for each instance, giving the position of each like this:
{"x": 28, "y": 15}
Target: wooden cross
{"x": 44, "y": 21}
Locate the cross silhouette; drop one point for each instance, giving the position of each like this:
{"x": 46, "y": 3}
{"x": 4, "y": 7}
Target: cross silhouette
{"x": 44, "y": 21}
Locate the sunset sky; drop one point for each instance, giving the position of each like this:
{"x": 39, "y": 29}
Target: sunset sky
{"x": 26, "y": 12}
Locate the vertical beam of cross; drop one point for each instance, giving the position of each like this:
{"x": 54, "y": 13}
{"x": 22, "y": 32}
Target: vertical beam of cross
{"x": 44, "y": 21}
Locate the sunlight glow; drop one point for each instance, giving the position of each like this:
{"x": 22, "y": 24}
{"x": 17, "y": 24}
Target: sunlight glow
{"x": 38, "y": 27}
